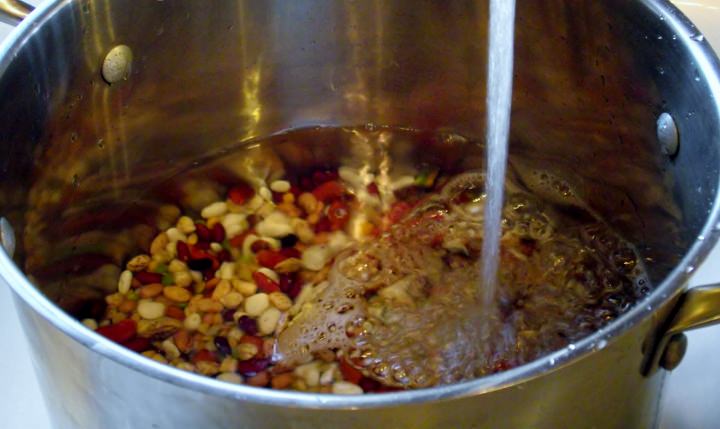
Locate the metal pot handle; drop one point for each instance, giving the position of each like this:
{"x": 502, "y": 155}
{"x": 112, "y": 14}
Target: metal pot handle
{"x": 13, "y": 11}
{"x": 696, "y": 308}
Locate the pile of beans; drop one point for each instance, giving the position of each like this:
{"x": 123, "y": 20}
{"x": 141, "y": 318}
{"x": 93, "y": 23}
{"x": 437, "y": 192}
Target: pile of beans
{"x": 212, "y": 293}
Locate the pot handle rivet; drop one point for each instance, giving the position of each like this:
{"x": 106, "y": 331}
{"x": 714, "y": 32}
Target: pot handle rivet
{"x": 116, "y": 66}
{"x": 667, "y": 134}
{"x": 674, "y": 352}
{"x": 7, "y": 237}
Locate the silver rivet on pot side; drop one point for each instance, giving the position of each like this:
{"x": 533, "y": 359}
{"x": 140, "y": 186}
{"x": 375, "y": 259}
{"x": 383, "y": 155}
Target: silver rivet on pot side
{"x": 117, "y": 63}
{"x": 7, "y": 236}
{"x": 667, "y": 134}
{"x": 674, "y": 352}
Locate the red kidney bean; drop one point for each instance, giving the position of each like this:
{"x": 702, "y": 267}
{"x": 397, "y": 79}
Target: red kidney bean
{"x": 138, "y": 344}
{"x": 247, "y": 325}
{"x": 208, "y": 274}
{"x": 227, "y": 315}
{"x": 398, "y": 211}
{"x": 224, "y": 256}
{"x": 259, "y": 245}
{"x": 338, "y": 213}
{"x": 238, "y": 240}
{"x": 294, "y": 290}
{"x": 183, "y": 251}
{"x": 269, "y": 258}
{"x": 290, "y": 252}
{"x": 240, "y": 194}
{"x": 372, "y": 189}
{"x": 306, "y": 184}
{"x": 285, "y": 283}
{"x": 119, "y": 332}
{"x": 203, "y": 355}
{"x": 252, "y": 366}
{"x": 175, "y": 312}
{"x": 277, "y": 197}
{"x": 223, "y": 346}
{"x": 146, "y": 277}
{"x": 202, "y": 245}
{"x": 218, "y": 233}
{"x": 368, "y": 384}
{"x": 323, "y": 225}
{"x": 265, "y": 283}
{"x": 322, "y": 176}
{"x": 329, "y": 191}
{"x": 349, "y": 372}
{"x": 202, "y": 231}
{"x": 295, "y": 190}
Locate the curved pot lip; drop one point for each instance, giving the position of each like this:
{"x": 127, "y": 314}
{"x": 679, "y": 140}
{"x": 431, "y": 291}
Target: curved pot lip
{"x": 672, "y": 284}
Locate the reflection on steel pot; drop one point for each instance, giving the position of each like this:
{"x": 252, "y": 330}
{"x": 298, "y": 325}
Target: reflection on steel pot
{"x": 592, "y": 79}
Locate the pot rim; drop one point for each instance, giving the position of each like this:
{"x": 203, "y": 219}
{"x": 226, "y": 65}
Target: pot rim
{"x": 668, "y": 288}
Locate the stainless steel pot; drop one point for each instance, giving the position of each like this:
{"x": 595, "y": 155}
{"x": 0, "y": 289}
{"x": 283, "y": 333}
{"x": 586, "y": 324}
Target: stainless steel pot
{"x": 79, "y": 156}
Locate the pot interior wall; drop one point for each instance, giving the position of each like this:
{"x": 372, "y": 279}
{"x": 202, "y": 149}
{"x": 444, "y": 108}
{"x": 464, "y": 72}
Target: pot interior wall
{"x": 86, "y": 165}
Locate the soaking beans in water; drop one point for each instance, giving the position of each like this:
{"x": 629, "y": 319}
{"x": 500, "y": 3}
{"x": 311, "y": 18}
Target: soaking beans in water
{"x": 363, "y": 275}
